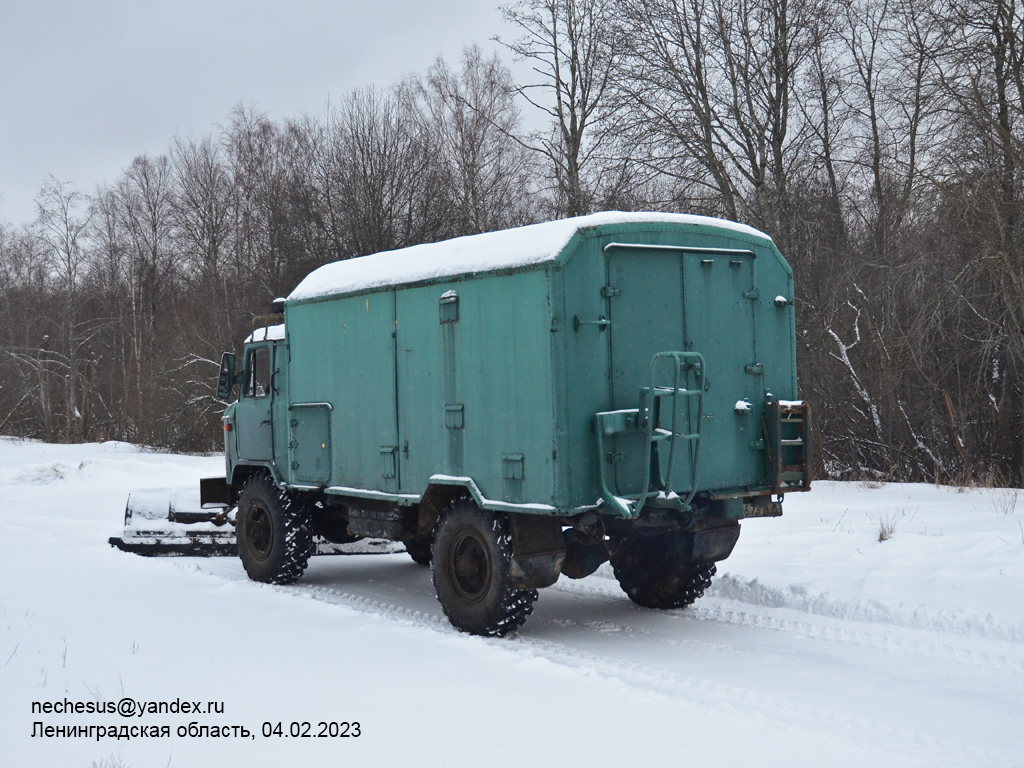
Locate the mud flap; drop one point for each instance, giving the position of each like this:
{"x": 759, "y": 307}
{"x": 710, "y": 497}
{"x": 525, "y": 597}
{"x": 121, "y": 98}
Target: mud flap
{"x": 715, "y": 544}
{"x": 538, "y": 550}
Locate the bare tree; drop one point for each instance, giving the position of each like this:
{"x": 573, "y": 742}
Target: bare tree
{"x": 202, "y": 205}
{"x": 145, "y": 211}
{"x": 388, "y": 174}
{"x": 572, "y": 46}
{"x": 25, "y": 386}
{"x": 879, "y": 143}
{"x": 713, "y": 82}
{"x": 469, "y": 121}
{"x": 63, "y": 226}
{"x": 826, "y": 115}
{"x": 983, "y": 76}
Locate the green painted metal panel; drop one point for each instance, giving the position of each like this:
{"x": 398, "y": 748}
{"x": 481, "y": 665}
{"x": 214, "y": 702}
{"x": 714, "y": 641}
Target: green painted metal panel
{"x": 584, "y": 372}
{"x": 496, "y": 376}
{"x": 502, "y": 378}
{"x": 279, "y": 407}
{"x": 661, "y": 302}
{"x": 644, "y": 288}
{"x": 422, "y": 435}
{"x": 343, "y": 353}
{"x": 310, "y": 443}
{"x": 719, "y": 310}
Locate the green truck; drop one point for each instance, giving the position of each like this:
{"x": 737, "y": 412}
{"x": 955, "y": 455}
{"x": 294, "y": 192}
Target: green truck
{"x": 521, "y": 405}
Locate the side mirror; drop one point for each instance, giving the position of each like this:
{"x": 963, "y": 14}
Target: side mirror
{"x": 226, "y": 381}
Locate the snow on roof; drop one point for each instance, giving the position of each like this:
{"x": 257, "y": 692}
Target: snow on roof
{"x": 505, "y": 249}
{"x": 268, "y": 333}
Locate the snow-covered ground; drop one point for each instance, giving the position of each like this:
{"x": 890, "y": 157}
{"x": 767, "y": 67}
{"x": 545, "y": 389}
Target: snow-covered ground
{"x": 817, "y": 646}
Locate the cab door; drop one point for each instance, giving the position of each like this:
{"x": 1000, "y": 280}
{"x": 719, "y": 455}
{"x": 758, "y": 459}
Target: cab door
{"x": 254, "y": 433}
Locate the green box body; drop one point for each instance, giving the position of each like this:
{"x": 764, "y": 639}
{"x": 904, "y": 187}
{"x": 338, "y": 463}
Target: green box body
{"x": 491, "y": 377}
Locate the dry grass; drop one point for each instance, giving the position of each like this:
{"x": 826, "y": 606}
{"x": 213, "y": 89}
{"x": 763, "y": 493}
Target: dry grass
{"x": 887, "y": 523}
{"x": 1006, "y": 502}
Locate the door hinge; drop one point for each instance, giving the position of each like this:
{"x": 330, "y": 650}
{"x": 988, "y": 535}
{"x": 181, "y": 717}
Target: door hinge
{"x": 751, "y": 293}
{"x": 755, "y": 370}
{"x": 609, "y": 290}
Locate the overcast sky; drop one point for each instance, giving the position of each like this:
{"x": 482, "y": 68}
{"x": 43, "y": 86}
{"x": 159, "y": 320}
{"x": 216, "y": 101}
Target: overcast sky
{"x": 87, "y": 85}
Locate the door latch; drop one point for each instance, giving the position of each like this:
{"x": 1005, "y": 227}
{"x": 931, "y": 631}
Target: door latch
{"x": 602, "y": 323}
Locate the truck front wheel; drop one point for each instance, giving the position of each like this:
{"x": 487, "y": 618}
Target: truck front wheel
{"x": 274, "y": 532}
{"x": 472, "y": 553}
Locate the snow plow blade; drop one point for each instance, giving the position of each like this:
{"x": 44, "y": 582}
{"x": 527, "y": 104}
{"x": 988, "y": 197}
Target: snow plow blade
{"x": 172, "y": 522}
{"x": 191, "y": 546}
{"x": 164, "y": 521}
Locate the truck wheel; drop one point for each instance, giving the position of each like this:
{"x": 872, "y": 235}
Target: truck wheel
{"x": 472, "y": 553}
{"x": 274, "y": 532}
{"x": 652, "y": 573}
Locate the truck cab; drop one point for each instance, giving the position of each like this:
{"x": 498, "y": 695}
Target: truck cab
{"x": 255, "y": 426}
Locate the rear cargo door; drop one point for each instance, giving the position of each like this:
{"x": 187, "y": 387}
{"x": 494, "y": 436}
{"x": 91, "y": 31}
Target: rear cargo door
{"x": 645, "y": 308}
{"x": 674, "y": 299}
{"x": 646, "y": 316}
{"x": 719, "y": 293}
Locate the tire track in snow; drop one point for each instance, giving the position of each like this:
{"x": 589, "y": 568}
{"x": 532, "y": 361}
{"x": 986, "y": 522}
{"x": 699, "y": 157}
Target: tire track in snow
{"x": 745, "y": 704}
{"x": 725, "y": 610}
{"x": 871, "y": 611}
{"x": 651, "y": 679}
{"x": 996, "y": 655}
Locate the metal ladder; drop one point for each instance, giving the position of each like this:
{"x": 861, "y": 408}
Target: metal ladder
{"x": 788, "y": 439}
{"x": 647, "y": 419}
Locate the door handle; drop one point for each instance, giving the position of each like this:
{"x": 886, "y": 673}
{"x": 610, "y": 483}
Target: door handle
{"x": 602, "y": 323}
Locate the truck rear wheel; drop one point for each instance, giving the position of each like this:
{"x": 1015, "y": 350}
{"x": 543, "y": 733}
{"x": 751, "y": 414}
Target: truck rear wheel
{"x": 472, "y": 553}
{"x": 274, "y": 532}
{"x": 652, "y": 571}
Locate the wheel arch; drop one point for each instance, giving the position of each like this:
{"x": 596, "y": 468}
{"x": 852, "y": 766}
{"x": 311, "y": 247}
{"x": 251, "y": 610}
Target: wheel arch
{"x": 240, "y": 473}
{"x": 435, "y": 500}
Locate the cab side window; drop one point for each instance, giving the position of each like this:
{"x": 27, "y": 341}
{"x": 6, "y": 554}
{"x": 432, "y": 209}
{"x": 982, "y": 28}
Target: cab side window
{"x": 257, "y": 366}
